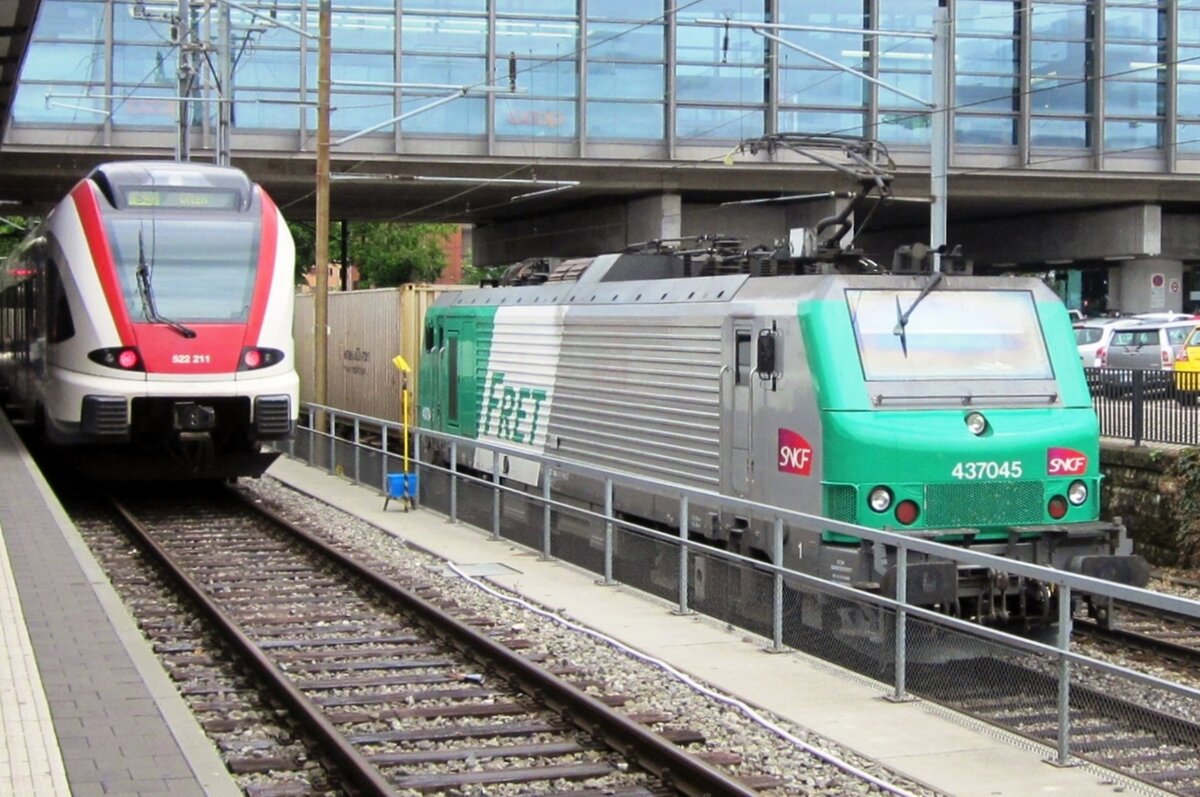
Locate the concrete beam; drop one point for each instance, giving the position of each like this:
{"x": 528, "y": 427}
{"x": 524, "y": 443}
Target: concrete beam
{"x": 1127, "y": 232}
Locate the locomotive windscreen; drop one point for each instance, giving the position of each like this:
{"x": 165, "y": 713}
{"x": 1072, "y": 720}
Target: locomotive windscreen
{"x": 948, "y": 335}
{"x": 200, "y": 268}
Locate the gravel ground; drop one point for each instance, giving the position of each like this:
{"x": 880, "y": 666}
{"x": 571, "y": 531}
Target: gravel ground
{"x": 807, "y": 763}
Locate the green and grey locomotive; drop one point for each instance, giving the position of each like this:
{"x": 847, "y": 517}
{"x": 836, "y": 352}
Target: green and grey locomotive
{"x": 950, "y": 407}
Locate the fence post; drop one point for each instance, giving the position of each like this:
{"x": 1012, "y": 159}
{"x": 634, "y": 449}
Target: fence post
{"x": 1137, "y": 405}
{"x": 901, "y": 651}
{"x": 385, "y": 460}
{"x": 333, "y": 442}
{"x": 683, "y": 555}
{"x": 1064, "y": 676}
{"x": 453, "y": 481}
{"x": 608, "y": 533}
{"x": 495, "y": 495}
{"x": 416, "y": 464}
{"x": 357, "y": 450}
{"x": 777, "y": 609}
{"x": 546, "y": 514}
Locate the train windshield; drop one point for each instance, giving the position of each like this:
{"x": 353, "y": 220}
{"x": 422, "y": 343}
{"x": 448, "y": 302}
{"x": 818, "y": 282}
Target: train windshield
{"x": 198, "y": 268}
{"x": 949, "y": 335}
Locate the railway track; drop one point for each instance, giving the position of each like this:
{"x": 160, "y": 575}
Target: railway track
{"x": 1131, "y": 737}
{"x": 399, "y": 693}
{"x": 1174, "y": 638}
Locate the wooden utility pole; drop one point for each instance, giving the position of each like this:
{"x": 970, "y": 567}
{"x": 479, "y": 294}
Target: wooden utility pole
{"x": 321, "y": 313}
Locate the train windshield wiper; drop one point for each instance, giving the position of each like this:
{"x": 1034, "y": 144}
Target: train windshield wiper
{"x": 146, "y": 293}
{"x": 902, "y": 318}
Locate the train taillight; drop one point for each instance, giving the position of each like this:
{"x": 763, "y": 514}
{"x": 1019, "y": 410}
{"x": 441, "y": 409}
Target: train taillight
{"x": 124, "y": 358}
{"x": 907, "y": 512}
{"x": 1057, "y": 507}
{"x": 254, "y": 358}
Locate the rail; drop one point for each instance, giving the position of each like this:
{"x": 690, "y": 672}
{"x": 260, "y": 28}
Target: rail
{"x": 892, "y": 639}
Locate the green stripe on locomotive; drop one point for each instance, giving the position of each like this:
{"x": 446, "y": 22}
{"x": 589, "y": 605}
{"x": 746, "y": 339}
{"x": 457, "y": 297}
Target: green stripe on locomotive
{"x": 959, "y": 480}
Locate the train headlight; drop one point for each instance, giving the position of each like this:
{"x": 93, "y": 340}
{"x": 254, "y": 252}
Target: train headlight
{"x": 254, "y": 358}
{"x": 976, "y": 423}
{"x": 123, "y": 358}
{"x": 880, "y": 499}
{"x": 1077, "y": 493}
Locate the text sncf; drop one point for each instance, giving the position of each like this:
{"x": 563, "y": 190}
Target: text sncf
{"x": 1066, "y": 462}
{"x": 795, "y": 454}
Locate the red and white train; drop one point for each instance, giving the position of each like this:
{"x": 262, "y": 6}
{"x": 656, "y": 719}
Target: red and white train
{"x": 147, "y": 322}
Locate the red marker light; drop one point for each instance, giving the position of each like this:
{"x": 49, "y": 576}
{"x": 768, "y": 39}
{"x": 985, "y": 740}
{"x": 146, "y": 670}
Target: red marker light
{"x": 127, "y": 359}
{"x": 1057, "y": 507}
{"x": 907, "y": 512}
{"x": 252, "y": 358}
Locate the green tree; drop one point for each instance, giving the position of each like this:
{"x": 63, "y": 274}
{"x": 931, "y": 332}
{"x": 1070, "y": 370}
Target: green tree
{"x": 386, "y": 253}
{"x": 12, "y": 230}
{"x": 393, "y": 254}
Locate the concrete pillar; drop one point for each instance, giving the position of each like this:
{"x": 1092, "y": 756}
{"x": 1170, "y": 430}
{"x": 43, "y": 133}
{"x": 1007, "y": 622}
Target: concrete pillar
{"x": 1146, "y": 285}
{"x": 653, "y": 218}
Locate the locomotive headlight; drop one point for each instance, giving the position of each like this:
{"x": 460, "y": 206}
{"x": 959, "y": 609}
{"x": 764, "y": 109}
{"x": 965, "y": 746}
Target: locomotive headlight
{"x": 976, "y": 423}
{"x": 1077, "y": 493}
{"x": 880, "y": 499}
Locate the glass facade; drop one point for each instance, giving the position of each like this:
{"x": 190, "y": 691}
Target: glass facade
{"x": 1118, "y": 76}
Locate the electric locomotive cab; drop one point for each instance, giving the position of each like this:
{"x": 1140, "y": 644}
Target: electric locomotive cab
{"x": 957, "y": 412}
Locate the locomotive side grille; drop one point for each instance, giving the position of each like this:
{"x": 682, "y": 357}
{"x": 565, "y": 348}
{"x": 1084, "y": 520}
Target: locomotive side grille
{"x": 104, "y": 416}
{"x": 272, "y": 416}
{"x": 840, "y": 502}
{"x": 983, "y": 503}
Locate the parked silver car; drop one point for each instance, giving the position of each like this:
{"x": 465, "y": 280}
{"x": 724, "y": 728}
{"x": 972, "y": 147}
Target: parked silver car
{"x": 1092, "y": 337}
{"x": 1148, "y": 347}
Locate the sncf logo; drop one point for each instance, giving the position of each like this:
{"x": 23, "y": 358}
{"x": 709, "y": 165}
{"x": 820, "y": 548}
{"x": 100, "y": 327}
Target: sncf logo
{"x": 1066, "y": 462}
{"x": 795, "y": 454}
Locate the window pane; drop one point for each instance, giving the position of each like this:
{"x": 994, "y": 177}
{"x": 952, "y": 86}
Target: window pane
{"x": 820, "y": 122}
{"x": 442, "y": 6}
{"x": 1189, "y": 99}
{"x": 1133, "y": 23}
{"x": 986, "y": 55}
{"x": 30, "y": 107}
{"x": 69, "y": 21}
{"x": 906, "y": 15}
{"x": 145, "y": 64}
{"x": 363, "y": 31}
{"x": 986, "y": 93}
{"x": 707, "y": 46}
{"x": 624, "y": 9}
{"x": 535, "y": 118}
{"x": 465, "y": 116}
{"x": 849, "y": 49}
{"x": 1132, "y": 60}
{"x": 1187, "y": 137}
{"x": 248, "y": 113}
{"x": 64, "y": 62}
{"x": 443, "y": 35}
{"x": 821, "y": 87}
{"x": 986, "y": 130}
{"x": 536, "y": 37}
{"x": 541, "y": 8}
{"x": 986, "y": 16}
{"x": 462, "y": 71}
{"x": 1057, "y": 21}
{"x": 1189, "y": 26}
{"x": 547, "y": 78}
{"x": 619, "y": 42}
{"x": 146, "y": 110}
{"x": 1064, "y": 59}
{"x": 1059, "y": 96}
{"x": 719, "y": 83}
{"x": 744, "y": 10}
{"x": 917, "y": 84}
{"x": 722, "y": 124}
{"x": 625, "y": 81}
{"x": 625, "y": 120}
{"x": 127, "y": 28}
{"x": 904, "y": 128}
{"x": 269, "y": 69}
{"x": 1059, "y": 133}
{"x": 1133, "y": 99}
{"x": 1140, "y": 135}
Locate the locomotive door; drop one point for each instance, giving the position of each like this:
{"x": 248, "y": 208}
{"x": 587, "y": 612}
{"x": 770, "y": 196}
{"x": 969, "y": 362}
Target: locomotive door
{"x": 456, "y": 391}
{"x": 741, "y": 377}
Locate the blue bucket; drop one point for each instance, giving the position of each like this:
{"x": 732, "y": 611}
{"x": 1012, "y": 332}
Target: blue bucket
{"x": 402, "y": 485}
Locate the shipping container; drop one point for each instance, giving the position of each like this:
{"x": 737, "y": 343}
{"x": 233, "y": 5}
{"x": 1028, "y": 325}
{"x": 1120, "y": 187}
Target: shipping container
{"x": 367, "y": 329}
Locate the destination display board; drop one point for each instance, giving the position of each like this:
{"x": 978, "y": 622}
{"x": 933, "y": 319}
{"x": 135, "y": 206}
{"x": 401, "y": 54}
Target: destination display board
{"x": 181, "y": 198}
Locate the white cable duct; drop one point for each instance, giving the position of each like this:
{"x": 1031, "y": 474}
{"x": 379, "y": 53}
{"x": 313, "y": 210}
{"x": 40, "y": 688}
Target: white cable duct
{"x": 747, "y": 710}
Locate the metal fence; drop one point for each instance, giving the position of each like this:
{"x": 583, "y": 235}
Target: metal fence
{"x": 914, "y": 650}
{"x": 1143, "y": 406}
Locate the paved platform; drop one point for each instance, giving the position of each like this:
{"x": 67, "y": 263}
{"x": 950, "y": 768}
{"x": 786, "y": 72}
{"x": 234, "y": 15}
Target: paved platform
{"x": 950, "y": 753}
{"x": 85, "y": 707}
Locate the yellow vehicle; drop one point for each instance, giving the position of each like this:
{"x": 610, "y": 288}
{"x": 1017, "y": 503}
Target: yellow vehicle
{"x": 1187, "y": 369}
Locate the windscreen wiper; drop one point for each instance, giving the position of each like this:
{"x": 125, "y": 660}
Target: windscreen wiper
{"x": 902, "y": 318}
{"x": 146, "y": 293}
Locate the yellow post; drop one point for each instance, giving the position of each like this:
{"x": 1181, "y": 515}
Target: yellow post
{"x": 405, "y": 369}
